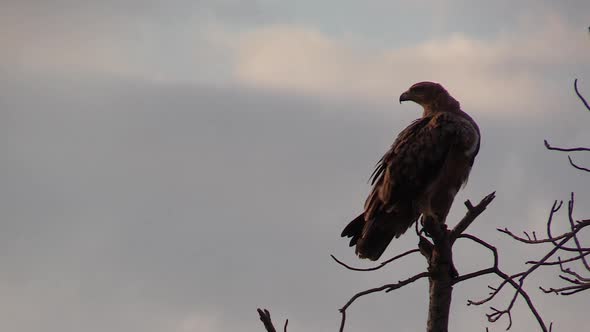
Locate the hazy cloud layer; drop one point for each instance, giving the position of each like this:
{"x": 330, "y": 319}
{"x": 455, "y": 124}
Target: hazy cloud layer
{"x": 205, "y": 43}
{"x": 129, "y": 206}
{"x": 501, "y": 74}
{"x": 173, "y": 167}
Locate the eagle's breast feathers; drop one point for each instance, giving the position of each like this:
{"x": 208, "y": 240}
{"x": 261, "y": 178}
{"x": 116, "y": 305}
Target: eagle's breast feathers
{"x": 433, "y": 151}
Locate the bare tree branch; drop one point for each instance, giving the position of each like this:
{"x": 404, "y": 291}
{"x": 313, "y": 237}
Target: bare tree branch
{"x": 549, "y": 147}
{"x": 576, "y": 166}
{"x": 578, "y": 149}
{"x": 506, "y": 280}
{"x": 575, "y": 228}
{"x": 580, "y": 95}
{"x": 575, "y": 232}
{"x": 382, "y": 264}
{"x": 559, "y": 261}
{"x": 577, "y": 282}
{"x": 387, "y": 288}
{"x": 472, "y": 213}
{"x": 495, "y": 269}
{"x": 265, "y": 318}
{"x": 442, "y": 274}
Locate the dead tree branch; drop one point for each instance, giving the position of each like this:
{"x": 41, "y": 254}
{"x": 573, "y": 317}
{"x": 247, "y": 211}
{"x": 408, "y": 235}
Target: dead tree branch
{"x": 387, "y": 288}
{"x": 442, "y": 275}
{"x": 577, "y": 282}
{"x": 506, "y": 279}
{"x": 553, "y": 148}
{"x": 382, "y": 264}
{"x": 268, "y": 325}
{"x": 580, "y": 95}
{"x": 567, "y": 243}
{"x": 576, "y": 166}
{"x": 441, "y": 271}
{"x": 472, "y": 213}
{"x": 578, "y": 149}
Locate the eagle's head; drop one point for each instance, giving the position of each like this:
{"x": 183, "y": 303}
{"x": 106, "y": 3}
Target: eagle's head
{"x": 431, "y": 96}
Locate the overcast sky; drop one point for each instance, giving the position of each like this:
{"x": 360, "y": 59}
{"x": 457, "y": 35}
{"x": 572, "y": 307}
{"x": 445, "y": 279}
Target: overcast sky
{"x": 173, "y": 165}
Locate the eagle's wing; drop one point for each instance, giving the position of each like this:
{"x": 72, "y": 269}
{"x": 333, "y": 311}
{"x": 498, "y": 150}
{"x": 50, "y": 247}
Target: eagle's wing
{"x": 406, "y": 173}
{"x": 412, "y": 163}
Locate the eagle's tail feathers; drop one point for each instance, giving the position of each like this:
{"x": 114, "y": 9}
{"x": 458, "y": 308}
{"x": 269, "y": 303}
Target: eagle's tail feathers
{"x": 373, "y": 236}
{"x": 354, "y": 229}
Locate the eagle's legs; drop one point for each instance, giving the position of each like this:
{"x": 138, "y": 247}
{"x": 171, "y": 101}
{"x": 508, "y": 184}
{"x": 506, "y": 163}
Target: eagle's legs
{"x": 427, "y": 223}
{"x": 442, "y": 253}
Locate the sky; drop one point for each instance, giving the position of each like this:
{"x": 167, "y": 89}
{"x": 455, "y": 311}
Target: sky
{"x": 172, "y": 166}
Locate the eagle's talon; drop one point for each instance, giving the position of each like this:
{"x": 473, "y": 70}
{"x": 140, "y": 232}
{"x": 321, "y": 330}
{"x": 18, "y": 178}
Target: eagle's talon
{"x": 454, "y": 272}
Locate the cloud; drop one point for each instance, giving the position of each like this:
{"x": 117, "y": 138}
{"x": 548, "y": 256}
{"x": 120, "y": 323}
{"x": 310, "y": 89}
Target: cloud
{"x": 114, "y": 40}
{"x": 139, "y": 206}
{"x": 504, "y": 73}
{"x": 157, "y": 207}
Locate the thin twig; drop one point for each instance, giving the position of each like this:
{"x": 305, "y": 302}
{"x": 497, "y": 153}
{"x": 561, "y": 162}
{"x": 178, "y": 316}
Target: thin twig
{"x": 386, "y": 288}
{"x": 529, "y": 240}
{"x": 580, "y": 95}
{"x": 497, "y": 314}
{"x": 559, "y": 262}
{"x": 576, "y": 166}
{"x": 565, "y": 291}
{"x": 549, "y": 147}
{"x": 550, "y": 237}
{"x": 382, "y": 264}
{"x": 573, "y": 227}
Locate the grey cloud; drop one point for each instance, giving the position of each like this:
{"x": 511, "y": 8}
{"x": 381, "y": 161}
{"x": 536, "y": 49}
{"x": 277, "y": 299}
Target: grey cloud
{"x": 229, "y": 11}
{"x": 129, "y": 206}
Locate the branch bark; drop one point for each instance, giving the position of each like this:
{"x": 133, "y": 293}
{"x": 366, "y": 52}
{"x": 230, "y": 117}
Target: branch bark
{"x": 442, "y": 272}
{"x": 267, "y": 322}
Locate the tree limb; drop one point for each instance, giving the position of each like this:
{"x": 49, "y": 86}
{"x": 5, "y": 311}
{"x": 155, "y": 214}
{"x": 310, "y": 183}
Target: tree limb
{"x": 495, "y": 269}
{"x": 580, "y": 95}
{"x": 265, "y": 318}
{"x": 549, "y": 147}
{"x": 576, "y": 166}
{"x": 472, "y": 213}
{"x": 382, "y": 264}
{"x": 387, "y": 288}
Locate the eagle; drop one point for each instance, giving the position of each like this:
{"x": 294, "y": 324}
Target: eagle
{"x": 420, "y": 175}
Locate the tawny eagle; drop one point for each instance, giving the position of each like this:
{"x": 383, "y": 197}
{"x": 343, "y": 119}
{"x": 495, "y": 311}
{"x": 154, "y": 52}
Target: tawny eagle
{"x": 420, "y": 174}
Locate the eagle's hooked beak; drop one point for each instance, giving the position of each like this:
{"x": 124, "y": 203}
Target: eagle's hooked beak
{"x": 405, "y": 96}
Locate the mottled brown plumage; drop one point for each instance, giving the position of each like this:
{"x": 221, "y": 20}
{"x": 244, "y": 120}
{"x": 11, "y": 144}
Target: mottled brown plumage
{"x": 420, "y": 174}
